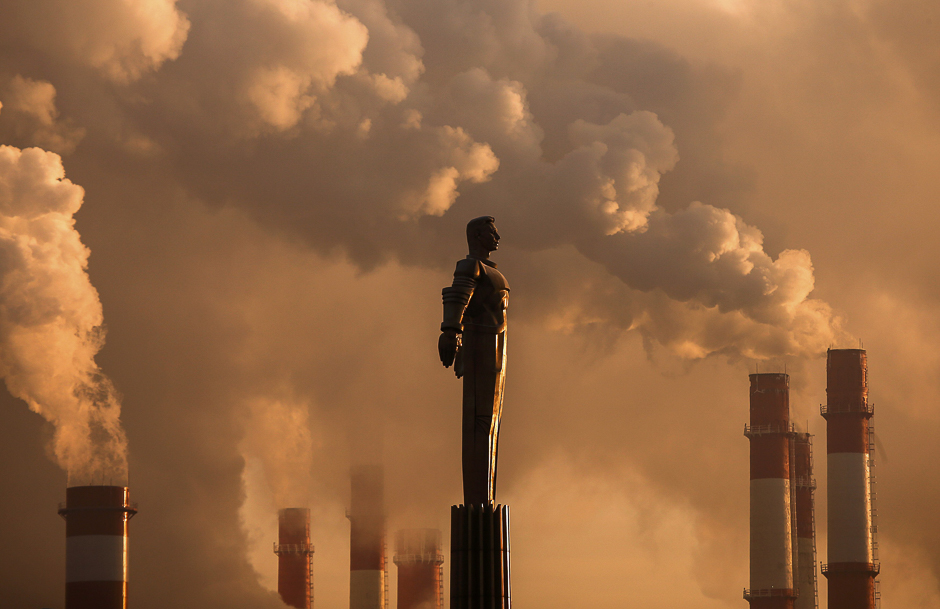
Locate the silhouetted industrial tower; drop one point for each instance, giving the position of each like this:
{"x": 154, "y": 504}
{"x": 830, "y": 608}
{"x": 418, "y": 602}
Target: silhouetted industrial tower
{"x": 368, "y": 574}
{"x": 770, "y": 433}
{"x": 294, "y": 558}
{"x": 419, "y": 554}
{"x": 96, "y": 519}
{"x": 852, "y": 565}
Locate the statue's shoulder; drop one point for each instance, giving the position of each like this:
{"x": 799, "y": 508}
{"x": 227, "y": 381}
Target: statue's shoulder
{"x": 467, "y": 267}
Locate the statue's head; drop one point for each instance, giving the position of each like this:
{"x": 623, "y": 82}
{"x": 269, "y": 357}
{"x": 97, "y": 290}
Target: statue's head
{"x": 482, "y": 235}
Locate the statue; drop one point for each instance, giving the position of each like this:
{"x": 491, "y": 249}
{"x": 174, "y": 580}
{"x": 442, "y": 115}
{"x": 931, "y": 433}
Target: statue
{"x": 473, "y": 339}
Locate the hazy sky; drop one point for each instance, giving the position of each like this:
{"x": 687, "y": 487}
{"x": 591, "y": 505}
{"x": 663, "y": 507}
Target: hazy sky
{"x": 270, "y": 194}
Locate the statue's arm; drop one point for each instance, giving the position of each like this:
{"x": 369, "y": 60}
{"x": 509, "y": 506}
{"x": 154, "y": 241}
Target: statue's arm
{"x": 455, "y": 300}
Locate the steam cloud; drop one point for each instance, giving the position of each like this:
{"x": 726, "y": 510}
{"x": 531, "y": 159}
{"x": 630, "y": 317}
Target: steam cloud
{"x": 381, "y": 128}
{"x": 370, "y": 131}
{"x": 32, "y": 116}
{"x": 51, "y": 318}
{"x": 122, "y": 39}
{"x": 277, "y": 435}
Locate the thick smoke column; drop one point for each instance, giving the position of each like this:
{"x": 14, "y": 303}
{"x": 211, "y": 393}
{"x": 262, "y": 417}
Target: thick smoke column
{"x": 278, "y": 435}
{"x": 277, "y": 448}
{"x": 51, "y": 318}
{"x": 31, "y": 115}
{"x": 377, "y": 129}
{"x": 120, "y": 38}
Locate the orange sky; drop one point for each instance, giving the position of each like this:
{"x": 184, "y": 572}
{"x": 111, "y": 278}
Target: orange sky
{"x": 275, "y": 193}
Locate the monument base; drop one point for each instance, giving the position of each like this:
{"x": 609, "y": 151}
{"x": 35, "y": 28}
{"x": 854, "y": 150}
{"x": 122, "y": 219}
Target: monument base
{"x": 479, "y": 557}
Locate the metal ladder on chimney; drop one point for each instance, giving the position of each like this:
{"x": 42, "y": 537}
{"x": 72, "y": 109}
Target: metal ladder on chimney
{"x": 310, "y": 577}
{"x": 440, "y": 586}
{"x": 812, "y": 468}
{"x": 874, "y": 510}
{"x": 385, "y": 605}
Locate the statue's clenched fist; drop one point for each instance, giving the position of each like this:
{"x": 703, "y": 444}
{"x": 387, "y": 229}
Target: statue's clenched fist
{"x": 447, "y": 347}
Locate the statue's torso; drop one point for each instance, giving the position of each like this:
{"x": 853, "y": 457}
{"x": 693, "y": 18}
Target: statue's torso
{"x": 486, "y": 311}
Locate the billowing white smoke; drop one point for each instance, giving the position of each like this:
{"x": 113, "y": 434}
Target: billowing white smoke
{"x": 51, "y": 318}
{"x": 379, "y": 128}
{"x": 278, "y": 437}
{"x": 278, "y": 451}
{"x": 121, "y": 38}
{"x": 31, "y": 115}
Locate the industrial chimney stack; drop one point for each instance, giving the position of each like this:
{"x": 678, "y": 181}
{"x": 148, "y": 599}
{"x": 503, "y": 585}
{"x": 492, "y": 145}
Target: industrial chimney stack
{"x": 805, "y": 484}
{"x": 367, "y": 578}
{"x": 419, "y": 555}
{"x": 294, "y": 558}
{"x": 852, "y": 568}
{"x": 770, "y": 434}
{"x": 96, "y": 519}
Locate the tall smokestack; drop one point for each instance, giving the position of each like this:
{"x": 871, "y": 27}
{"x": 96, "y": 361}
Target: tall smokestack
{"x": 96, "y": 519}
{"x": 367, "y": 578}
{"x": 419, "y": 554}
{"x": 805, "y": 548}
{"x": 294, "y": 557}
{"x": 851, "y": 569}
{"x": 770, "y": 432}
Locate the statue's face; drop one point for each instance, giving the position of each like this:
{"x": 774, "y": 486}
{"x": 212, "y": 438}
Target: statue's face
{"x": 489, "y": 237}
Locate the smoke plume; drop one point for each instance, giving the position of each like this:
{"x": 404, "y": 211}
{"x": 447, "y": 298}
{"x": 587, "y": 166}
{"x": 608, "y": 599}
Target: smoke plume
{"x": 277, "y": 191}
{"x": 376, "y": 130}
{"x": 31, "y": 116}
{"x": 51, "y": 318}
{"x": 122, "y": 39}
{"x": 278, "y": 436}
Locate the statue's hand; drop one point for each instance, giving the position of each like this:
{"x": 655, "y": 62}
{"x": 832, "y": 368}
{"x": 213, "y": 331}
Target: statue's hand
{"x": 447, "y": 347}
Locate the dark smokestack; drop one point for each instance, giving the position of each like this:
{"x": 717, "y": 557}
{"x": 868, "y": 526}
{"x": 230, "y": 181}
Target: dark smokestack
{"x": 368, "y": 576}
{"x": 419, "y": 554}
{"x": 770, "y": 433}
{"x": 852, "y": 568}
{"x": 294, "y": 557}
{"x": 96, "y": 519}
{"x": 805, "y": 544}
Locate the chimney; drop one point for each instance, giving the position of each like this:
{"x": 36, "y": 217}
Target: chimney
{"x": 294, "y": 558}
{"x": 852, "y": 567}
{"x": 770, "y": 432}
{"x": 419, "y": 555}
{"x": 96, "y": 519}
{"x": 368, "y": 573}
{"x": 805, "y": 548}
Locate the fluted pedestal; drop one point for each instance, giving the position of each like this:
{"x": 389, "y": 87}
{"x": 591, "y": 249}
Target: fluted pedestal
{"x": 479, "y": 565}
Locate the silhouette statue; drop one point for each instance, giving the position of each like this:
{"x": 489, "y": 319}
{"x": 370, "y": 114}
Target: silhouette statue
{"x": 473, "y": 339}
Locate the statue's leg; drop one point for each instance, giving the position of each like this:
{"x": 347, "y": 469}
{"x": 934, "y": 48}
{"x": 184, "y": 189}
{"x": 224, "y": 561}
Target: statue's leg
{"x": 479, "y": 386}
{"x": 473, "y": 492}
{"x": 499, "y": 383}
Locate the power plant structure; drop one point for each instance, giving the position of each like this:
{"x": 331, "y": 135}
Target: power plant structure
{"x": 96, "y": 522}
{"x": 852, "y": 562}
{"x": 804, "y": 486}
{"x": 783, "y": 557}
{"x": 770, "y": 433}
{"x": 294, "y": 558}
{"x": 368, "y": 575}
{"x": 419, "y": 555}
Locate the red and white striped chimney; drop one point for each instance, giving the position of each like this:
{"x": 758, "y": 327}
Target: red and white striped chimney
{"x": 769, "y": 431}
{"x": 805, "y": 522}
{"x": 96, "y": 520}
{"x": 851, "y": 569}
{"x": 367, "y": 576}
{"x": 294, "y": 556}
{"x": 419, "y": 555}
